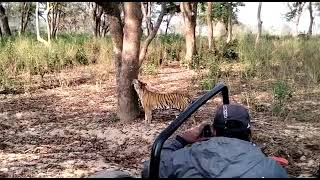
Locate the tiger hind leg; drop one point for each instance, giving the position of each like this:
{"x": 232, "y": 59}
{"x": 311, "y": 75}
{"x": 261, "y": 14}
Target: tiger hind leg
{"x": 148, "y": 116}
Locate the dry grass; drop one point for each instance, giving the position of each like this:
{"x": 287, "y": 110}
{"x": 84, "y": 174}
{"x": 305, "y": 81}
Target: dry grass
{"x": 72, "y": 131}
{"x": 57, "y": 112}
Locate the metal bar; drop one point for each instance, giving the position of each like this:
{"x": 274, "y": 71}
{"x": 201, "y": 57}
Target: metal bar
{"x": 166, "y": 133}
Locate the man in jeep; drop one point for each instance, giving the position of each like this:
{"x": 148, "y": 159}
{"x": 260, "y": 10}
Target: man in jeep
{"x": 228, "y": 153}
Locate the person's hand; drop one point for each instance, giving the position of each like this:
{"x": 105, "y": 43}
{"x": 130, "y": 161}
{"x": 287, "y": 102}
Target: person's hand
{"x": 194, "y": 134}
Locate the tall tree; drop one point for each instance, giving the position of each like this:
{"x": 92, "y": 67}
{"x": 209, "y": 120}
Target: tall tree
{"x": 226, "y": 12}
{"x": 39, "y": 38}
{"x": 4, "y": 24}
{"x": 229, "y": 30}
{"x": 295, "y": 11}
{"x": 259, "y": 23}
{"x": 171, "y": 10}
{"x": 47, "y": 11}
{"x": 126, "y": 48}
{"x": 168, "y": 20}
{"x": 209, "y": 23}
{"x": 146, "y": 11}
{"x": 130, "y": 60}
{"x": 25, "y": 15}
{"x": 96, "y": 13}
{"x": 75, "y": 16}
{"x": 104, "y": 25}
{"x": 152, "y": 33}
{"x": 54, "y": 16}
{"x": 189, "y": 14}
{"x": 311, "y": 18}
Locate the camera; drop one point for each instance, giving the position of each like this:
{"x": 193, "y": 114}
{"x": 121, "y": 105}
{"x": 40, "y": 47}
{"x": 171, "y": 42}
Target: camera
{"x": 207, "y": 131}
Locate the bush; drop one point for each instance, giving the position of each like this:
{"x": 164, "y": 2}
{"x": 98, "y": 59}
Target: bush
{"x": 150, "y": 69}
{"x": 211, "y": 78}
{"x": 25, "y": 54}
{"x": 281, "y": 93}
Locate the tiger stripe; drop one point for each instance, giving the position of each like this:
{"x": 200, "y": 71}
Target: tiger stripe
{"x": 152, "y": 100}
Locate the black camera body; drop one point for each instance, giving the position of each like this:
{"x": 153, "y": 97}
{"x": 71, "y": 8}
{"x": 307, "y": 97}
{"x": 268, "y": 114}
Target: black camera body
{"x": 207, "y": 131}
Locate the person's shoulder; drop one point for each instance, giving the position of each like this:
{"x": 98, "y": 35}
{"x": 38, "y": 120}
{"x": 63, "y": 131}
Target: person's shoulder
{"x": 236, "y": 146}
{"x": 228, "y": 140}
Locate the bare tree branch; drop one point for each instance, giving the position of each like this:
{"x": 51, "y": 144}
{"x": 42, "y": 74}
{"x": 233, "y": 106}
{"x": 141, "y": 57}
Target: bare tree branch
{"x": 145, "y": 45}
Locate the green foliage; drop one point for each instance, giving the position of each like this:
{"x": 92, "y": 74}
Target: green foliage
{"x": 150, "y": 69}
{"x": 196, "y": 60}
{"x": 24, "y": 54}
{"x": 170, "y": 45}
{"x": 295, "y": 9}
{"x": 228, "y": 51}
{"x": 207, "y": 83}
{"x": 286, "y": 58}
{"x": 220, "y": 11}
{"x": 281, "y": 93}
{"x": 81, "y": 57}
{"x": 171, "y": 8}
{"x": 170, "y": 39}
{"x": 310, "y": 57}
{"x": 210, "y": 79}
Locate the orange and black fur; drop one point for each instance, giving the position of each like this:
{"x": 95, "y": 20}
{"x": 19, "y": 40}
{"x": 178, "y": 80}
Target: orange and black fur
{"x": 152, "y": 100}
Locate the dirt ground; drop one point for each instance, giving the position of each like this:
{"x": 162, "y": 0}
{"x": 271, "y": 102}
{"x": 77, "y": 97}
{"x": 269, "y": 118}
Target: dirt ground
{"x": 72, "y": 131}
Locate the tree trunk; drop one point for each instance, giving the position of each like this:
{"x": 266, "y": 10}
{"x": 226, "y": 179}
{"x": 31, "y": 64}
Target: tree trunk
{"x": 126, "y": 47}
{"x": 209, "y": 23}
{"x": 311, "y": 19}
{"x": 149, "y": 22}
{"x": 23, "y": 12}
{"x": 259, "y": 23}
{"x": 229, "y": 38}
{"x": 300, "y": 8}
{"x": 4, "y": 25}
{"x": 57, "y": 23}
{"x": 55, "y": 11}
{"x": 104, "y": 25}
{"x": 200, "y": 32}
{"x": 37, "y": 27}
{"x": 144, "y": 10}
{"x": 128, "y": 100}
{"x": 27, "y": 18}
{"x": 297, "y": 24}
{"x": 145, "y": 45}
{"x": 52, "y": 19}
{"x": 94, "y": 7}
{"x": 168, "y": 22}
{"x": 96, "y": 19}
{"x": 189, "y": 13}
{"x": 47, "y": 20}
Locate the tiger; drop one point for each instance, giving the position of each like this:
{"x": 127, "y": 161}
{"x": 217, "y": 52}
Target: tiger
{"x": 151, "y": 100}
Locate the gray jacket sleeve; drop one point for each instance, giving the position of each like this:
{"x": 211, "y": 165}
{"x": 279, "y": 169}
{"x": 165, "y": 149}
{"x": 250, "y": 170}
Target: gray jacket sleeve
{"x": 168, "y": 148}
